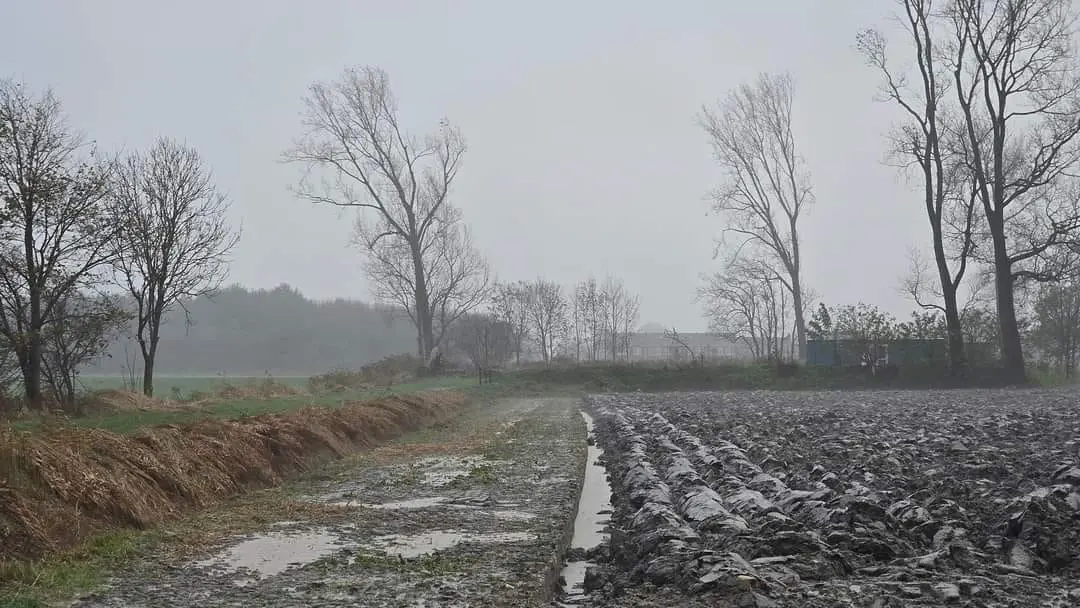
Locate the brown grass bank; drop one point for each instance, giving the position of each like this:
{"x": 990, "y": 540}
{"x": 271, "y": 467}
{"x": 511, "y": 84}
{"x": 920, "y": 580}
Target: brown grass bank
{"x": 61, "y": 485}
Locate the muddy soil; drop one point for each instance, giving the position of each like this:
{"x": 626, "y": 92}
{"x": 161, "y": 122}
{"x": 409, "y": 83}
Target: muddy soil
{"x": 870, "y": 499}
{"x": 474, "y": 513}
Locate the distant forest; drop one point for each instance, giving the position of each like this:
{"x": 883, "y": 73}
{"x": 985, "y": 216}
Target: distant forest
{"x": 251, "y": 332}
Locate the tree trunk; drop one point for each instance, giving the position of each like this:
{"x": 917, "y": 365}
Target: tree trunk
{"x": 423, "y": 303}
{"x": 1011, "y": 349}
{"x": 957, "y": 356}
{"x": 32, "y": 371}
{"x": 800, "y": 319}
{"x": 148, "y": 372}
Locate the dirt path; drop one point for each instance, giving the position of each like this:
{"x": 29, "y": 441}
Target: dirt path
{"x": 473, "y": 513}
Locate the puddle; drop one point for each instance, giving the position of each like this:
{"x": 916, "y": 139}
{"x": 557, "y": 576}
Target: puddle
{"x": 414, "y": 503}
{"x": 443, "y": 470}
{"x": 416, "y": 545}
{"x": 513, "y": 515}
{"x": 594, "y": 508}
{"x": 273, "y": 553}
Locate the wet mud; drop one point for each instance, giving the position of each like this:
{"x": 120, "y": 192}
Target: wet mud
{"x": 864, "y": 499}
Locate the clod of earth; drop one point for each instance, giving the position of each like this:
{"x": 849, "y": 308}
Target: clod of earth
{"x": 857, "y": 498}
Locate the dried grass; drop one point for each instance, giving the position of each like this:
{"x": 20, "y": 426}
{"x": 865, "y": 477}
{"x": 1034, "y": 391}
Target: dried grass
{"x": 263, "y": 389}
{"x": 58, "y": 486}
{"x": 115, "y": 400}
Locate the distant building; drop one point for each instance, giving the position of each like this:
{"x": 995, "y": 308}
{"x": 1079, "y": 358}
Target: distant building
{"x": 655, "y": 346}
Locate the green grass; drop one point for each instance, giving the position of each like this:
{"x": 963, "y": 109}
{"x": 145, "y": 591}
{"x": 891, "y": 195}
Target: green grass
{"x": 60, "y": 576}
{"x": 166, "y": 386}
{"x": 129, "y": 421}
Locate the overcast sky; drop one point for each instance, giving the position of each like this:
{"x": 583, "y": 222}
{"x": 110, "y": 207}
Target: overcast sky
{"x": 584, "y": 154}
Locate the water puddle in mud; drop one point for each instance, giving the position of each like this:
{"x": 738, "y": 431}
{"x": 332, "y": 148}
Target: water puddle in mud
{"x": 413, "y": 503}
{"x": 444, "y": 470}
{"x": 513, "y": 515}
{"x": 593, "y": 514}
{"x": 273, "y": 553}
{"x": 403, "y": 546}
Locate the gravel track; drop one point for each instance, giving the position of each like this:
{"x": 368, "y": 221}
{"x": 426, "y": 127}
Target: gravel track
{"x": 871, "y": 499}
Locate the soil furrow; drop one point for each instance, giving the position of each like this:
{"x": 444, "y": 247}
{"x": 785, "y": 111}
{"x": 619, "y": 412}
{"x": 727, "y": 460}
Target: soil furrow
{"x": 841, "y": 499}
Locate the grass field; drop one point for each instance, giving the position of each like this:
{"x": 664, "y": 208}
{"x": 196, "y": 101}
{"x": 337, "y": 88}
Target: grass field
{"x": 166, "y": 386}
{"x": 222, "y": 408}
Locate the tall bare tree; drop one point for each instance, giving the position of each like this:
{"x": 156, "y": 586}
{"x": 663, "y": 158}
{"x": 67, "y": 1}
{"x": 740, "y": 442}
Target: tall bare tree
{"x": 1017, "y": 84}
{"x": 547, "y": 315}
{"x": 57, "y": 236}
{"x": 767, "y": 187}
{"x": 927, "y": 140}
{"x": 175, "y": 237}
{"x": 364, "y": 159}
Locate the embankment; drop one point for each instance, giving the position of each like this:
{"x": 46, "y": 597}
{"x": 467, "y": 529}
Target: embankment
{"x": 61, "y": 485}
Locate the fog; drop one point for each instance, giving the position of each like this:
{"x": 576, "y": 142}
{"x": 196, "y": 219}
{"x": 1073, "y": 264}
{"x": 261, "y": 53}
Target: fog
{"x": 584, "y": 154}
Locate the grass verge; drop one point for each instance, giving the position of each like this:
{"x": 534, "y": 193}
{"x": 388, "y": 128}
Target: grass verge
{"x": 64, "y": 485}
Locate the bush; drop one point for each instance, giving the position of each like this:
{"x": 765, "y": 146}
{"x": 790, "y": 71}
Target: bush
{"x": 385, "y": 372}
{"x": 609, "y": 377}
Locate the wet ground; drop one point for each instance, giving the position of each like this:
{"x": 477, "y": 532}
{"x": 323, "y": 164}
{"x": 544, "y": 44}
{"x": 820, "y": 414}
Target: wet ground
{"x": 474, "y": 513}
{"x": 869, "y": 499}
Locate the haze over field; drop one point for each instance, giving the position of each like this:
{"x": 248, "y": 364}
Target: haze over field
{"x": 579, "y": 119}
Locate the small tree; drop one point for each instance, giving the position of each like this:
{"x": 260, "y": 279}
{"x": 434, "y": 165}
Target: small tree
{"x": 1057, "y": 324}
{"x": 510, "y": 305}
{"x": 81, "y": 329}
{"x": 547, "y": 315}
{"x": 175, "y": 238}
{"x": 486, "y": 341}
{"x": 748, "y": 302}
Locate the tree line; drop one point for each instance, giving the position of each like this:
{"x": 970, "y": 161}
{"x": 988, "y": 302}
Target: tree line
{"x": 239, "y": 331}
{"x": 539, "y": 320}
{"x": 84, "y": 232}
{"x": 990, "y": 110}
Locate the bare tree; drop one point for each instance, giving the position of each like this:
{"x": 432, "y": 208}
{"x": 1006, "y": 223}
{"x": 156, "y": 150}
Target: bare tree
{"x": 399, "y": 183}
{"x": 175, "y": 237}
{"x": 456, "y": 276}
{"x": 767, "y": 186}
{"x": 547, "y": 315}
{"x": 577, "y": 321}
{"x": 510, "y": 305}
{"x": 58, "y": 237}
{"x": 927, "y": 141}
{"x": 1017, "y": 83}
{"x": 619, "y": 307}
{"x": 81, "y": 329}
{"x": 630, "y": 316}
{"x": 1057, "y": 330}
{"x": 591, "y": 310}
{"x": 486, "y": 341}
{"x": 673, "y": 335}
{"x": 747, "y": 303}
